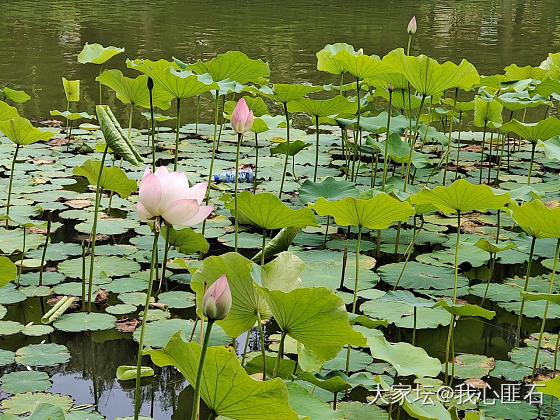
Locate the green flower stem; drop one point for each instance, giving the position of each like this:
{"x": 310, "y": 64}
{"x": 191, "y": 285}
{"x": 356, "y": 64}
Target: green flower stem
{"x": 554, "y": 372}
{"x": 22, "y": 257}
{"x": 239, "y": 137}
{"x": 355, "y": 298}
{"x": 214, "y": 147}
{"x": 100, "y": 92}
{"x": 263, "y": 246}
{"x": 245, "y": 348}
{"x": 525, "y": 286}
{"x": 143, "y": 327}
{"x": 94, "y": 227}
{"x": 502, "y": 141}
{"x": 341, "y": 83}
{"x": 11, "y": 181}
{"x": 344, "y": 259}
{"x": 84, "y": 251}
{"x": 414, "y": 326}
{"x": 197, "y": 114}
{"x": 280, "y": 354}
{"x": 456, "y": 279}
{"x": 490, "y": 156}
{"x": 374, "y": 169}
{"x": 164, "y": 261}
{"x": 531, "y": 163}
{"x": 412, "y": 142}
{"x": 482, "y": 151}
{"x": 492, "y": 265}
{"x": 447, "y": 348}
{"x": 449, "y": 138}
{"x": 408, "y": 250}
{"x": 43, "y": 256}
{"x": 459, "y": 144}
{"x": 386, "y": 154}
{"x": 177, "y": 128}
{"x": 498, "y": 227}
{"x": 326, "y": 232}
{"x": 408, "y": 45}
{"x": 256, "y": 163}
{"x": 552, "y": 275}
{"x": 196, "y": 398}
{"x": 316, "y": 148}
{"x": 263, "y": 349}
{"x": 287, "y": 148}
{"x": 152, "y": 130}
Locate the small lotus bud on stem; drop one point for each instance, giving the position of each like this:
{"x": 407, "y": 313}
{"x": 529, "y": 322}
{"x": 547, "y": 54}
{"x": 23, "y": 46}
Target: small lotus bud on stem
{"x": 412, "y": 26}
{"x": 216, "y": 303}
{"x": 150, "y": 83}
{"x": 390, "y": 88}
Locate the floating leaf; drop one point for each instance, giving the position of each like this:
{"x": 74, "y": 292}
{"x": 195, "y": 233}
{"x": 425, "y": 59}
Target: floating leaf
{"x": 25, "y": 381}
{"x": 42, "y": 354}
{"x": 83, "y": 321}
{"x": 29, "y": 402}
{"x": 127, "y": 373}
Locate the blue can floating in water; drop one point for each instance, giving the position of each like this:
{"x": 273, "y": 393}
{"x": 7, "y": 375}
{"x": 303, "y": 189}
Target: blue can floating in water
{"x": 244, "y": 175}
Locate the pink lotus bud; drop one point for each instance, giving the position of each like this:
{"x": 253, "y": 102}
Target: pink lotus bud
{"x": 241, "y": 117}
{"x": 412, "y": 27}
{"x": 216, "y": 303}
{"x": 168, "y": 195}
{"x": 390, "y": 87}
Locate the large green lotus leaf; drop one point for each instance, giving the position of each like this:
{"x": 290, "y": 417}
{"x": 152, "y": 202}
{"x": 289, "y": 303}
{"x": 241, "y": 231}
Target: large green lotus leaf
{"x": 35, "y": 330}
{"x": 461, "y": 196}
{"x": 112, "y": 177}
{"x": 550, "y": 297}
{"x": 514, "y": 101}
{"x": 267, "y": 211}
{"x": 360, "y": 66}
{"x": 71, "y": 89}
{"x": 465, "y": 309}
{"x": 537, "y": 219}
{"x": 12, "y": 240}
{"x": 355, "y": 410}
{"x": 378, "y": 212}
{"x": 71, "y": 116}
{"x": 332, "y": 382}
{"x": 282, "y": 273}
{"x": 402, "y": 314}
{"x": 515, "y": 72}
{"x": 246, "y": 302}
{"x": 330, "y": 189}
{"x": 526, "y": 357}
{"x": 176, "y": 299}
{"x": 29, "y": 402}
{"x": 8, "y": 271}
{"x": 404, "y": 357}
{"x": 327, "y": 62}
{"x": 82, "y": 414}
{"x": 42, "y": 354}
{"x": 293, "y": 149}
{"x": 306, "y": 404}
{"x": 181, "y": 84}
{"x": 114, "y": 135}
{"x": 18, "y": 96}
{"x": 255, "y": 104}
{"x": 420, "y": 276}
{"x": 282, "y": 92}
{"x": 108, "y": 225}
{"x": 10, "y": 327}
{"x": 266, "y": 123}
{"x": 83, "y": 321}
{"x": 47, "y": 411}
{"x": 186, "y": 240}
{"x": 225, "y": 386}
{"x": 97, "y": 53}
{"x": 428, "y": 76}
{"x": 9, "y": 294}
{"x": 493, "y": 248}
{"x": 533, "y": 132}
{"x": 487, "y": 112}
{"x": 551, "y": 149}
{"x": 7, "y": 112}
{"x": 25, "y": 381}
{"x": 158, "y": 333}
{"x": 315, "y": 317}
{"x": 509, "y": 370}
{"x": 104, "y": 267}
{"x": 323, "y": 108}
{"x": 20, "y": 131}
{"x": 521, "y": 410}
{"x": 472, "y": 365}
{"x": 134, "y": 91}
{"x": 532, "y": 309}
{"x": 233, "y": 65}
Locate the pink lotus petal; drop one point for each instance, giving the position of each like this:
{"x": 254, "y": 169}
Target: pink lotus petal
{"x": 150, "y": 193}
{"x": 198, "y": 191}
{"x": 142, "y": 213}
{"x": 161, "y": 172}
{"x": 175, "y": 186}
{"x": 203, "y": 213}
{"x": 181, "y": 211}
{"x": 147, "y": 171}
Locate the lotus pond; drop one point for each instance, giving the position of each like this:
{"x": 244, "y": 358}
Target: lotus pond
{"x": 183, "y": 238}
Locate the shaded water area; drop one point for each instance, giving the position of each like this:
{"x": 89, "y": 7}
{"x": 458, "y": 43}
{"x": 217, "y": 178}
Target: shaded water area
{"x": 42, "y": 39}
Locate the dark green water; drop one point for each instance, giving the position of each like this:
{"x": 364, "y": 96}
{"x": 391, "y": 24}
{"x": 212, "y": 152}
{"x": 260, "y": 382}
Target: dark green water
{"x": 41, "y": 39}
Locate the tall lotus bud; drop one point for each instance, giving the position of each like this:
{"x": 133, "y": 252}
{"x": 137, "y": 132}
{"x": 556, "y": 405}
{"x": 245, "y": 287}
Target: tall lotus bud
{"x": 150, "y": 83}
{"x": 241, "y": 117}
{"x": 390, "y": 88}
{"x": 216, "y": 303}
{"x": 412, "y": 26}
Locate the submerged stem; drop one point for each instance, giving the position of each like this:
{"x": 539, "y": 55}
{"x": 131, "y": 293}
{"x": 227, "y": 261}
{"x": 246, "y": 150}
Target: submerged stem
{"x": 525, "y": 286}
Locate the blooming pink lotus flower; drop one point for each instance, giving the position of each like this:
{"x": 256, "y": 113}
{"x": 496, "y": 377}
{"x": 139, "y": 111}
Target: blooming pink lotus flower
{"x": 216, "y": 303}
{"x": 412, "y": 26}
{"x": 168, "y": 195}
{"x": 241, "y": 117}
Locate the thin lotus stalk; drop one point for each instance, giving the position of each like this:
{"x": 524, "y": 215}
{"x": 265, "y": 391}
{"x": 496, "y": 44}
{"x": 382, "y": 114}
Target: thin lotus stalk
{"x": 378, "y": 244}
{"x": 499, "y": 226}
{"x": 84, "y": 251}
{"x": 263, "y": 246}
{"x": 222, "y": 121}
{"x": 144, "y": 319}
{"x": 554, "y": 371}
{"x": 177, "y": 129}
{"x": 502, "y": 140}
{"x": 533, "y": 146}
{"x": 459, "y": 144}
{"x": 245, "y": 347}
{"x": 287, "y": 149}
{"x": 196, "y": 397}
{"x": 263, "y": 349}
{"x": 100, "y": 86}
{"x": 22, "y": 257}
{"x": 415, "y": 315}
{"x": 326, "y": 232}
{"x": 279, "y": 355}
{"x": 94, "y": 227}
{"x": 543, "y": 323}
{"x": 344, "y": 260}
{"x": 164, "y": 260}
{"x": 408, "y": 251}
{"x": 239, "y": 138}
{"x": 490, "y": 274}
{"x": 525, "y": 286}
{"x": 358, "y": 139}
{"x": 447, "y": 349}
{"x": 256, "y": 163}
{"x": 386, "y": 154}
{"x": 373, "y": 177}
{"x": 341, "y": 92}
{"x": 214, "y": 147}
{"x": 424, "y": 138}
{"x": 412, "y": 142}
{"x": 482, "y": 151}
{"x": 490, "y": 156}
{"x": 449, "y": 139}
{"x": 44, "y": 254}
{"x": 11, "y": 182}
{"x": 456, "y": 277}
{"x": 316, "y": 148}
{"x": 355, "y": 297}
{"x": 150, "y": 89}
{"x": 197, "y": 114}
{"x": 398, "y": 238}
